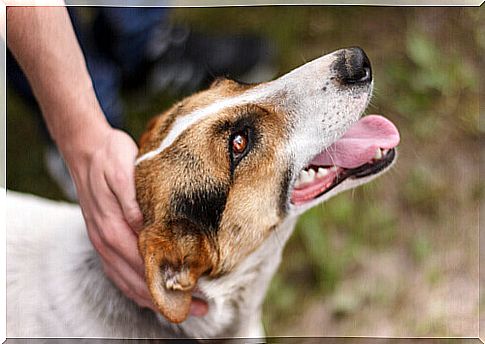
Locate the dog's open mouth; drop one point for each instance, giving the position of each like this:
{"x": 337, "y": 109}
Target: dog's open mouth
{"x": 367, "y": 148}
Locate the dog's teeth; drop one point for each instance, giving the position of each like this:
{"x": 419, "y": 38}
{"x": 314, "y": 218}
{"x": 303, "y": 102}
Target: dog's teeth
{"x": 306, "y": 176}
{"x": 303, "y": 177}
{"x": 322, "y": 172}
{"x": 297, "y": 183}
{"x": 384, "y": 151}
{"x": 334, "y": 168}
{"x": 378, "y": 154}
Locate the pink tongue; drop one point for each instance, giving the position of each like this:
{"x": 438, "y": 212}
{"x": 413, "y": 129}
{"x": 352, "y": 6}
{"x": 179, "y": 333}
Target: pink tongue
{"x": 359, "y": 144}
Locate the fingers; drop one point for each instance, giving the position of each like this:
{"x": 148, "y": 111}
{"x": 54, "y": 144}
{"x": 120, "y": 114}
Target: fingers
{"x": 130, "y": 282}
{"x": 106, "y": 190}
{"x": 122, "y": 185}
{"x": 110, "y": 225}
{"x": 120, "y": 177}
{"x": 107, "y": 218}
{"x": 121, "y": 239}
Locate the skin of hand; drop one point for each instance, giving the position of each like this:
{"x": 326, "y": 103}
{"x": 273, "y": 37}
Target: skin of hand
{"x": 104, "y": 179}
{"x": 100, "y": 158}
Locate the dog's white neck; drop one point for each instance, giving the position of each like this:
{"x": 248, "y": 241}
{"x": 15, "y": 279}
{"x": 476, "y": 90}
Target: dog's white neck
{"x": 235, "y": 300}
{"x": 60, "y": 288}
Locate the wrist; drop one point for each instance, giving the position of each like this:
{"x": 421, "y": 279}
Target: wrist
{"x": 81, "y": 143}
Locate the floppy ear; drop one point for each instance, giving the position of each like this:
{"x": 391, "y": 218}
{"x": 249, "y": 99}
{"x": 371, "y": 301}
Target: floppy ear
{"x": 175, "y": 256}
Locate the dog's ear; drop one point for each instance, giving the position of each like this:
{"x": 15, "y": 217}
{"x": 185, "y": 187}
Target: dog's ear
{"x": 175, "y": 256}
{"x": 148, "y": 131}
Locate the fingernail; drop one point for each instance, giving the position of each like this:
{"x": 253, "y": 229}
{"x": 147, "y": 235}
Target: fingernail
{"x": 139, "y": 222}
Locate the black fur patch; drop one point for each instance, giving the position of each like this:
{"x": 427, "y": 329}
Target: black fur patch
{"x": 203, "y": 207}
{"x": 285, "y": 189}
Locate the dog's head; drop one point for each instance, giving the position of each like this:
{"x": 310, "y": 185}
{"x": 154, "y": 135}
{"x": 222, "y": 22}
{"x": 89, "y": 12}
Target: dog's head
{"x": 222, "y": 169}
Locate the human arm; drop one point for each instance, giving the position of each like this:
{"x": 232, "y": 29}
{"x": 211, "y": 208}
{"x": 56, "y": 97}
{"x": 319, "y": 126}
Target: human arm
{"x": 100, "y": 158}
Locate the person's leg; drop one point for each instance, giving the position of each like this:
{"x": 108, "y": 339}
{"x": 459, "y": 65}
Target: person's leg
{"x": 104, "y": 71}
{"x": 126, "y": 32}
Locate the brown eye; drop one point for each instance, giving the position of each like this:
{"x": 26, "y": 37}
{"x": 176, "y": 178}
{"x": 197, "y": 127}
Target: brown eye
{"x": 239, "y": 143}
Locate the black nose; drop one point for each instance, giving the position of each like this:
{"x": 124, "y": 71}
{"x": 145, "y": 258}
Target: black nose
{"x": 353, "y": 67}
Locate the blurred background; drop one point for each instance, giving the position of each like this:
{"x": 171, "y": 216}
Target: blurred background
{"x": 396, "y": 257}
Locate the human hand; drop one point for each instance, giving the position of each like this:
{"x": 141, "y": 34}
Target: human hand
{"x": 103, "y": 172}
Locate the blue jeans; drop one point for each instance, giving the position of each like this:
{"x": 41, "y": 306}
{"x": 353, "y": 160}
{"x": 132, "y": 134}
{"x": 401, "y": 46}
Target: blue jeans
{"x": 113, "y": 47}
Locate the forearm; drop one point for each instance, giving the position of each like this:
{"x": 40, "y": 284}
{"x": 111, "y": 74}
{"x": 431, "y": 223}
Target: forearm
{"x": 43, "y": 41}
{"x": 100, "y": 159}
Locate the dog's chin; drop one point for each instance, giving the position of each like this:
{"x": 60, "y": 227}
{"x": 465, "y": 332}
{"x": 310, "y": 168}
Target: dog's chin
{"x": 337, "y": 180}
{"x": 212, "y": 324}
{"x": 209, "y": 317}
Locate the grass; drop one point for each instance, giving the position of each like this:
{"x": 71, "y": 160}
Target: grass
{"x": 386, "y": 258}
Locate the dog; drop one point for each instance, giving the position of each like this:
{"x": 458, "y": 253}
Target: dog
{"x": 221, "y": 178}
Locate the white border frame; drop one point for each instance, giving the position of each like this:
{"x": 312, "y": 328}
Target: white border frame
{"x": 217, "y": 3}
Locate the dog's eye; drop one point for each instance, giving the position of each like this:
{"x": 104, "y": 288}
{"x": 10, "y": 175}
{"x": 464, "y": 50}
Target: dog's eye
{"x": 239, "y": 143}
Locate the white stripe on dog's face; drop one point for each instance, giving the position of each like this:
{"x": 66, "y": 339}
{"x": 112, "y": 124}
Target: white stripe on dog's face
{"x": 256, "y": 94}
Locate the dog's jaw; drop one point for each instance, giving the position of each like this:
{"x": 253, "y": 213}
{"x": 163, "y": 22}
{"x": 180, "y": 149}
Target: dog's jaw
{"x": 235, "y": 299}
{"x": 311, "y": 136}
